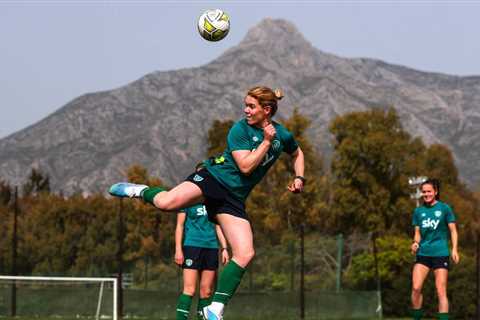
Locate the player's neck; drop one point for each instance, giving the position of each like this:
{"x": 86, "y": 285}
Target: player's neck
{"x": 431, "y": 204}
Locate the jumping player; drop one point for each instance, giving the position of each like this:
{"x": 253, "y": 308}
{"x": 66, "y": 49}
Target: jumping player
{"x": 253, "y": 145}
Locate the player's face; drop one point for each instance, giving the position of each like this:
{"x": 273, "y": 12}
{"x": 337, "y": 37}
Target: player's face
{"x": 428, "y": 193}
{"x": 254, "y": 112}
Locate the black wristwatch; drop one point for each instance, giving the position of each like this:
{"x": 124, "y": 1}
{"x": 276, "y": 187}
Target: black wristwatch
{"x": 304, "y": 181}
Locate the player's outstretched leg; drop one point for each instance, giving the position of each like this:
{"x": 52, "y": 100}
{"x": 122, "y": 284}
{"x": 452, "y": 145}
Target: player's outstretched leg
{"x": 183, "y": 195}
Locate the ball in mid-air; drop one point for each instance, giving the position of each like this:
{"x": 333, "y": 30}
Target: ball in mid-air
{"x": 213, "y": 25}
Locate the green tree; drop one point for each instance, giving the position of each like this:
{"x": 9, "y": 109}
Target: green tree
{"x": 37, "y": 182}
{"x": 6, "y": 193}
{"x": 217, "y": 137}
{"x": 373, "y": 157}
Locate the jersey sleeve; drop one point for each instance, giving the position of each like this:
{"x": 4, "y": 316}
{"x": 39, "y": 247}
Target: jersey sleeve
{"x": 415, "y": 221}
{"x": 238, "y": 138}
{"x": 449, "y": 215}
{"x": 290, "y": 144}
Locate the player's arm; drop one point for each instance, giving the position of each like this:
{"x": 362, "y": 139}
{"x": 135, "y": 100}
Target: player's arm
{"x": 298, "y": 160}
{"x": 179, "y": 228}
{"x": 223, "y": 244}
{"x": 454, "y": 238}
{"x": 247, "y": 160}
{"x": 416, "y": 240}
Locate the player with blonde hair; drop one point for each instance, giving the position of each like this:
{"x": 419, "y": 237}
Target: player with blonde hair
{"x": 253, "y": 145}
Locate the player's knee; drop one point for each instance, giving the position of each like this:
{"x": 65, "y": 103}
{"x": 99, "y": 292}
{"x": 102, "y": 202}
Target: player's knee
{"x": 206, "y": 291}
{"x": 189, "y": 290}
{"x": 244, "y": 257}
{"x": 165, "y": 201}
{"x": 441, "y": 291}
{"x": 416, "y": 290}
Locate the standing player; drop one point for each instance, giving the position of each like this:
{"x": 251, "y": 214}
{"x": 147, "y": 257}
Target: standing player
{"x": 253, "y": 145}
{"x": 434, "y": 222}
{"x": 196, "y": 250}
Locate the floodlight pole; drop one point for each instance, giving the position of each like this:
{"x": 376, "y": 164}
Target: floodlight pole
{"x": 120, "y": 252}
{"x": 302, "y": 271}
{"x": 478, "y": 273}
{"x": 13, "y": 309}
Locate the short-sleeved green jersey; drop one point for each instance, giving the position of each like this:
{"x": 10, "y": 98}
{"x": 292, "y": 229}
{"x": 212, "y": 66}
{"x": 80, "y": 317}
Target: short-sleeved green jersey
{"x": 198, "y": 231}
{"x": 433, "y": 223}
{"x": 243, "y": 136}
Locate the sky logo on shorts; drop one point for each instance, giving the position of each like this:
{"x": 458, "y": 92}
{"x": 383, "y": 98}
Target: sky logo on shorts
{"x": 430, "y": 223}
{"x": 197, "y": 178}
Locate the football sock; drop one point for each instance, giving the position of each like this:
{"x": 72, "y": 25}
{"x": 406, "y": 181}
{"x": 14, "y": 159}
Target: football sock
{"x": 183, "y": 306}
{"x": 442, "y": 316}
{"x": 417, "y": 314}
{"x": 227, "y": 284}
{"x": 149, "y": 193}
{"x": 202, "y": 302}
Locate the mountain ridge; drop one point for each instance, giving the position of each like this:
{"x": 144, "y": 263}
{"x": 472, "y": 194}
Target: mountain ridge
{"x": 161, "y": 120}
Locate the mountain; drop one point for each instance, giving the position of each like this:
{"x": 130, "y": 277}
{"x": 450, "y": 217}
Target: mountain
{"x": 161, "y": 120}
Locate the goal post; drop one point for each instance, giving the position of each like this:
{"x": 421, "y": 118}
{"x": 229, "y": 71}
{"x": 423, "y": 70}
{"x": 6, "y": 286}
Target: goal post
{"x": 35, "y": 283}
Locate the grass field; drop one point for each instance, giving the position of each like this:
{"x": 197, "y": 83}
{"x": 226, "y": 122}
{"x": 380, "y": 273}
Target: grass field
{"x": 81, "y": 303}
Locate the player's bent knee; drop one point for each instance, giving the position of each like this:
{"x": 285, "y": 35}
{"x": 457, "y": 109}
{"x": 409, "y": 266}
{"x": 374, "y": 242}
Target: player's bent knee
{"x": 165, "y": 201}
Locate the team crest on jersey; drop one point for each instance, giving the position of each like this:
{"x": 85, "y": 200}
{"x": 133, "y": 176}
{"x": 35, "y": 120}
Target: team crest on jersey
{"x": 188, "y": 262}
{"x": 275, "y": 145}
{"x": 255, "y": 139}
{"x": 423, "y": 214}
{"x": 438, "y": 213}
{"x": 197, "y": 178}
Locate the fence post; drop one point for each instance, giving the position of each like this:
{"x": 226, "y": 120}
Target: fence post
{"x": 377, "y": 276}
{"x": 339, "y": 261}
{"x": 302, "y": 271}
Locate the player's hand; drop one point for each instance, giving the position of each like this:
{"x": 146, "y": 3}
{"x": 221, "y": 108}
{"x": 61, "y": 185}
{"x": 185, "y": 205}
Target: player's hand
{"x": 269, "y": 132}
{"x": 224, "y": 256}
{"x": 414, "y": 247}
{"x": 455, "y": 256}
{"x": 296, "y": 186}
{"x": 179, "y": 258}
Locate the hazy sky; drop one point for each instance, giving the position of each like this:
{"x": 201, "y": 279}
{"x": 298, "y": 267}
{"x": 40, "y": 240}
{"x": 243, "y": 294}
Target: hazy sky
{"x": 54, "y": 51}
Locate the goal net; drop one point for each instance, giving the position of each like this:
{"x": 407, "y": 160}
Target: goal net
{"x": 64, "y": 297}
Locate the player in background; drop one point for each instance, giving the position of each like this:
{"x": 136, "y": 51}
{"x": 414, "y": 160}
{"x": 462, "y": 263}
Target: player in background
{"x": 253, "y": 145}
{"x": 434, "y": 224}
{"x": 197, "y": 252}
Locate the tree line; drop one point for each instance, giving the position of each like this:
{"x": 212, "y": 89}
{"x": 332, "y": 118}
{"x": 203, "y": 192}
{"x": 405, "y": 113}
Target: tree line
{"x": 364, "y": 193}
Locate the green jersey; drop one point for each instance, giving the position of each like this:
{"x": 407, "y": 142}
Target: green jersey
{"x": 433, "y": 223}
{"x": 243, "y": 136}
{"x": 198, "y": 231}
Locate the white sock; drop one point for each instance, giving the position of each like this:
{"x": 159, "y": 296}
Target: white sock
{"x": 217, "y": 307}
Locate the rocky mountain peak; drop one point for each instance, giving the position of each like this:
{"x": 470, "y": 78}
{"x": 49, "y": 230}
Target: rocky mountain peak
{"x": 275, "y": 30}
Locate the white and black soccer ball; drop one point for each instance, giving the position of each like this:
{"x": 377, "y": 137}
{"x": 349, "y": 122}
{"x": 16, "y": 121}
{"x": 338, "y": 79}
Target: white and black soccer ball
{"x": 213, "y": 25}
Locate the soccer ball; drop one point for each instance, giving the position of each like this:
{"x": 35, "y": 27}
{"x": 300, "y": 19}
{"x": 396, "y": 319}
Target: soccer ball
{"x": 213, "y": 25}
